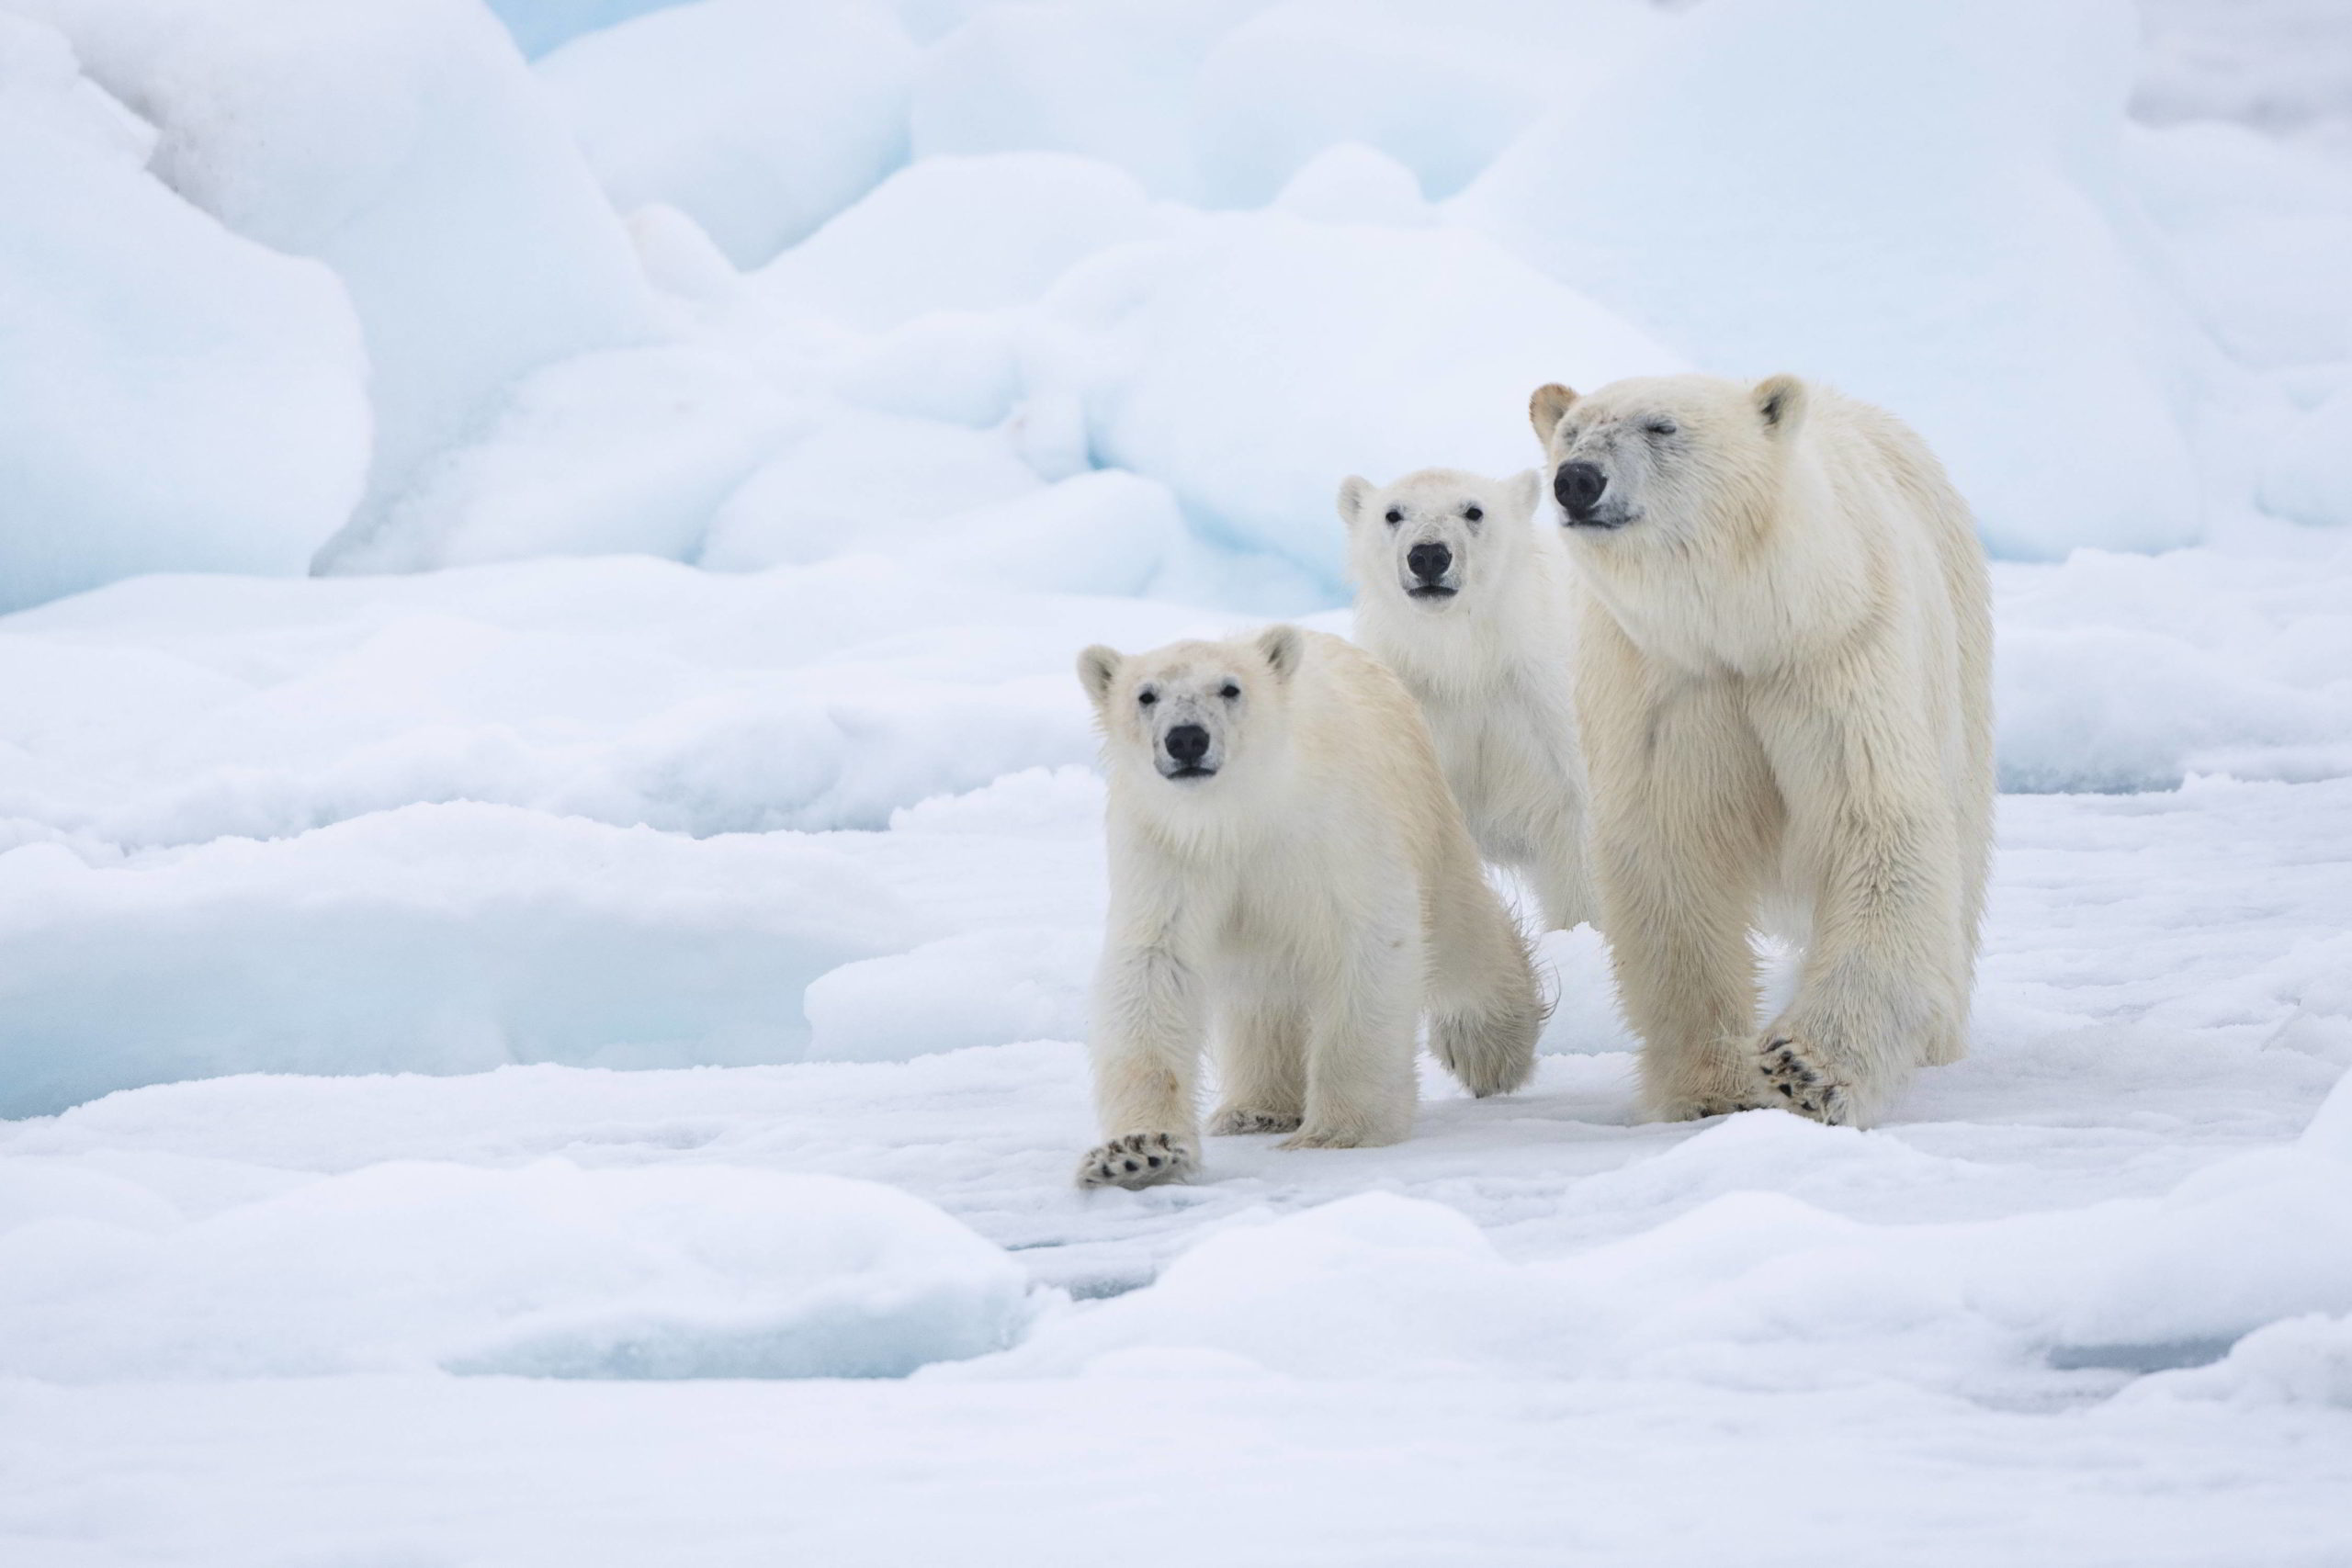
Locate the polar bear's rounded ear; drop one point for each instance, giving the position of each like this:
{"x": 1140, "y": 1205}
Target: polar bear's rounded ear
{"x": 1353, "y": 493}
{"x": 1097, "y": 668}
{"x": 1780, "y": 400}
{"x": 1550, "y": 403}
{"x": 1525, "y": 490}
{"x": 1284, "y": 647}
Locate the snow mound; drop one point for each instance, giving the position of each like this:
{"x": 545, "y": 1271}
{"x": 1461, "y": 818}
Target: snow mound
{"x": 759, "y": 120}
{"x": 548, "y": 1271}
{"x": 1110, "y": 81}
{"x": 1351, "y": 183}
{"x": 2130, "y": 672}
{"x": 1440, "y": 86}
{"x": 962, "y": 366}
{"x": 949, "y": 233}
{"x": 1375, "y": 1285}
{"x": 1177, "y": 351}
{"x": 174, "y": 396}
{"x": 980, "y": 989}
{"x": 1751, "y": 1289}
{"x": 2258, "y": 235}
{"x": 2310, "y": 475}
{"x": 539, "y": 24}
{"x": 1967, "y": 260}
{"x": 864, "y": 482}
{"x": 628, "y": 450}
{"x": 431, "y": 938}
{"x": 2303, "y": 1360}
{"x": 408, "y": 147}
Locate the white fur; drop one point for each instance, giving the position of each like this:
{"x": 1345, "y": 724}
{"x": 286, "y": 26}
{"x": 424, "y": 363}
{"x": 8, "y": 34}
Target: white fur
{"x": 1304, "y": 905}
{"x": 1784, "y": 687}
{"x": 1489, "y": 664}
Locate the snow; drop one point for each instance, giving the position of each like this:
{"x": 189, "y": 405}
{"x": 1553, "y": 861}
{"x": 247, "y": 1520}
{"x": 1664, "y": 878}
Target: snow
{"x": 1111, "y": 80}
{"x": 960, "y": 233}
{"x": 1156, "y": 340}
{"x": 759, "y": 121}
{"x": 560, "y": 1041}
{"x": 1440, "y": 86}
{"x": 410, "y": 149}
{"x": 867, "y": 482}
{"x": 543, "y": 1270}
{"x": 2309, "y": 475}
{"x": 1985, "y": 183}
{"x": 137, "y": 324}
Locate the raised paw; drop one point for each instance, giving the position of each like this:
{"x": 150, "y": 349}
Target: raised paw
{"x": 1803, "y": 1082}
{"x": 1140, "y": 1159}
{"x": 1230, "y": 1120}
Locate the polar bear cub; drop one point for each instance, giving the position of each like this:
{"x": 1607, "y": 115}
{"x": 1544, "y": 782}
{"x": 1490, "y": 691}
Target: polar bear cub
{"x": 1782, "y": 677}
{"x": 1461, "y": 595}
{"x": 1289, "y": 874}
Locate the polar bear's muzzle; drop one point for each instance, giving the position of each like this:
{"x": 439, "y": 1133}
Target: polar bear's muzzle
{"x": 1579, "y": 488}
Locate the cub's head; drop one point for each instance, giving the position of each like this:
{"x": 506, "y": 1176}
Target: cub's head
{"x": 1192, "y": 714}
{"x": 1438, "y": 540}
{"x": 1661, "y": 460}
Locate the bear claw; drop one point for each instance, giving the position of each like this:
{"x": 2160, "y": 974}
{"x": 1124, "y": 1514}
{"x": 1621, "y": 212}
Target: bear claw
{"x": 1138, "y": 1160}
{"x": 1236, "y": 1119}
{"x": 1800, "y": 1079}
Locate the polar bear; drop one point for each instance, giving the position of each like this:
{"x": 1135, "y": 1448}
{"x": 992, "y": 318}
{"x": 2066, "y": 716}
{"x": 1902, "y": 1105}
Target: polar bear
{"x": 1783, "y": 683}
{"x": 1459, "y": 592}
{"x": 1288, "y": 872}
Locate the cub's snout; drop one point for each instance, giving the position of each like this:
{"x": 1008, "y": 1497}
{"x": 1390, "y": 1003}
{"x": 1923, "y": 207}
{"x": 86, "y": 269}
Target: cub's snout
{"x": 1184, "y": 749}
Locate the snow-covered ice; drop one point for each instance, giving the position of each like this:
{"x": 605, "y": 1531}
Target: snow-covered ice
{"x": 559, "y": 1041}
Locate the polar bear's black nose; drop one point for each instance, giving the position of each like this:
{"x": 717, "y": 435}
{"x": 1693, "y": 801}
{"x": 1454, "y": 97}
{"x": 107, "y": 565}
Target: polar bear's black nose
{"x": 1188, "y": 743}
{"x": 1429, "y": 561}
{"x": 1579, "y": 486}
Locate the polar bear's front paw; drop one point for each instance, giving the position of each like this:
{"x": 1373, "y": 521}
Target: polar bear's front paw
{"x": 1140, "y": 1159}
{"x": 1800, "y": 1074}
{"x": 1231, "y": 1120}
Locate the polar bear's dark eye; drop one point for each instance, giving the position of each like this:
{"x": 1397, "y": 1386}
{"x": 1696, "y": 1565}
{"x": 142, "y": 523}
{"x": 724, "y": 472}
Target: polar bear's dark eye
{"x": 1471, "y": 514}
{"x": 1148, "y": 698}
{"x": 1394, "y": 516}
{"x": 1228, "y": 690}
{"x": 1661, "y": 427}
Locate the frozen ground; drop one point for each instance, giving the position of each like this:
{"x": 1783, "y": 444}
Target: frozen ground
{"x": 556, "y": 1040}
{"x": 2084, "y": 1297}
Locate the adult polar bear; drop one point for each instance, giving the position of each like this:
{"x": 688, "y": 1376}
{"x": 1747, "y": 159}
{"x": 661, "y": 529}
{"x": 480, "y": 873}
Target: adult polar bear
{"x": 1783, "y": 673}
{"x": 1458, "y": 595}
{"x": 1286, "y": 865}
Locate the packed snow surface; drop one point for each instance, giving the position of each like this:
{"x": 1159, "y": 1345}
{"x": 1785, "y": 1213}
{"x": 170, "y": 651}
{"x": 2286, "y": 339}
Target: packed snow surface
{"x": 559, "y": 1041}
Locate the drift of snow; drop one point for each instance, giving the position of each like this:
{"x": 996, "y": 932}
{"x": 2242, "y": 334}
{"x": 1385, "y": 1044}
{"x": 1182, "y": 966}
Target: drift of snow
{"x": 1983, "y": 184}
{"x": 759, "y": 121}
{"x": 175, "y": 396}
{"x": 1154, "y": 341}
{"x": 547, "y": 1270}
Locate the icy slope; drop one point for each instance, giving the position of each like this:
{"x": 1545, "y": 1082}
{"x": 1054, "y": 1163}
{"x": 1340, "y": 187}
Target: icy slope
{"x": 1230, "y": 247}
